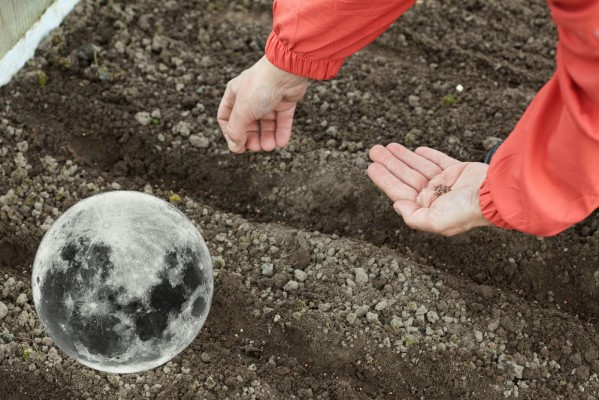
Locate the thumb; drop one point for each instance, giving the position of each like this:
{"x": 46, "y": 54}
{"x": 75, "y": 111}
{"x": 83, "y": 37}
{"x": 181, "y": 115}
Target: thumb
{"x": 236, "y": 131}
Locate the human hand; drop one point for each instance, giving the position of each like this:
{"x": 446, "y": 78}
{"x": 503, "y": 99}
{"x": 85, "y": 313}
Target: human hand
{"x": 256, "y": 111}
{"x": 430, "y": 190}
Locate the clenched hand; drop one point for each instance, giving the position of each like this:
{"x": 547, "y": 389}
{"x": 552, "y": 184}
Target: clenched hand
{"x": 256, "y": 111}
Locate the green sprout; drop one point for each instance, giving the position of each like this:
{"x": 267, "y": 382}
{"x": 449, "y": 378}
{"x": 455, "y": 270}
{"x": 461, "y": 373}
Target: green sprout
{"x": 410, "y": 340}
{"x": 449, "y": 100}
{"x": 26, "y": 353}
{"x": 42, "y": 78}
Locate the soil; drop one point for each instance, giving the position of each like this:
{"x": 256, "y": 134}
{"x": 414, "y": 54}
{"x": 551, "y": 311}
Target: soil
{"x": 124, "y": 96}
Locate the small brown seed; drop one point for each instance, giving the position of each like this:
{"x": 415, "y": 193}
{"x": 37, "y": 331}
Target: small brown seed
{"x": 442, "y": 189}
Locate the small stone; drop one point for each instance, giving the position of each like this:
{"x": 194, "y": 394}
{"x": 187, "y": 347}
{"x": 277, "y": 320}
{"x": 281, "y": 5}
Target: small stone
{"x": 493, "y": 325}
{"x": 23, "y": 318}
{"x": 396, "y": 322}
{"x": 372, "y": 317}
{"x": 422, "y": 310}
{"x": 432, "y": 316}
{"x": 53, "y": 356}
{"x": 267, "y": 269}
{"x": 143, "y": 118}
{"x": 199, "y": 141}
{"x": 362, "y": 310}
{"x": 23, "y": 146}
{"x": 478, "y": 335}
{"x": 414, "y": 101}
{"x": 182, "y": 128}
{"x": 361, "y": 275}
{"x": 351, "y": 318}
{"x": 290, "y": 286}
{"x": 205, "y": 357}
{"x": 210, "y": 383}
{"x": 22, "y": 299}
{"x": 3, "y": 310}
{"x": 300, "y": 275}
{"x": 381, "y": 305}
{"x": 47, "y": 341}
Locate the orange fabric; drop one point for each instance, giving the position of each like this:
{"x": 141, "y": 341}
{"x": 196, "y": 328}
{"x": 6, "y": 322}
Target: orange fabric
{"x": 312, "y": 38}
{"x": 545, "y": 176}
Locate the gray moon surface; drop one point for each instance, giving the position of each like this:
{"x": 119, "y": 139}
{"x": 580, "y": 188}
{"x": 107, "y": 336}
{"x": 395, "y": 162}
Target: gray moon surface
{"x": 123, "y": 282}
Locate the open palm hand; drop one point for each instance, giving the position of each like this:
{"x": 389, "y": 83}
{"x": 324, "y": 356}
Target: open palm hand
{"x": 432, "y": 191}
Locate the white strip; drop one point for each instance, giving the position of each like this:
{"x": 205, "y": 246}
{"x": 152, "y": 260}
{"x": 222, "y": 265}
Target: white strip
{"x": 14, "y": 60}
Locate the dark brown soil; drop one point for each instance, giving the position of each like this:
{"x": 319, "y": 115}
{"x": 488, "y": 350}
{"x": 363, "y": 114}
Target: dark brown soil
{"x": 501, "y": 52}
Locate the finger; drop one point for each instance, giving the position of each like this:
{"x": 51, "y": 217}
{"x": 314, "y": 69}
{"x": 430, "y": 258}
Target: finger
{"x": 284, "y": 125}
{"x": 401, "y": 171}
{"x": 414, "y": 216}
{"x": 253, "y": 142}
{"x": 388, "y": 183}
{"x": 237, "y": 127}
{"x": 224, "y": 109}
{"x": 267, "y": 132}
{"x": 441, "y": 159}
{"x": 427, "y": 168}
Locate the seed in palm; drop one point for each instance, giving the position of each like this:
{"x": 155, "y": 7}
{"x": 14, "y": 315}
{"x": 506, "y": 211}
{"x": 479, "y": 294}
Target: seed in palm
{"x": 442, "y": 189}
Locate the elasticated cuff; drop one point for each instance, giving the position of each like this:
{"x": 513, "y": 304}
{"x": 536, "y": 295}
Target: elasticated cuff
{"x": 488, "y": 207}
{"x": 279, "y": 54}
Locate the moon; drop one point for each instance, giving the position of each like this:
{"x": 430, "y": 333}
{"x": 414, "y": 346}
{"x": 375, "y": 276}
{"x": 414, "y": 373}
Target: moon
{"x": 122, "y": 282}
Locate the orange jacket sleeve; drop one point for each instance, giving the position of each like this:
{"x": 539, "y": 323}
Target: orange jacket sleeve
{"x": 545, "y": 176}
{"x": 312, "y": 38}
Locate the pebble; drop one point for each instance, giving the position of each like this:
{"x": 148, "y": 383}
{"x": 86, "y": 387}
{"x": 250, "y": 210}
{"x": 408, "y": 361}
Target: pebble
{"x": 3, "y": 310}
{"x": 143, "y": 118}
{"x": 23, "y": 146}
{"x": 361, "y": 275}
{"x": 53, "y": 356}
{"x": 493, "y": 325}
{"x": 199, "y": 141}
{"x": 22, "y": 299}
{"x": 267, "y": 269}
{"x": 300, "y": 275}
{"x": 422, "y": 310}
{"x": 372, "y": 317}
{"x": 478, "y": 335}
{"x": 210, "y": 383}
{"x": 23, "y": 318}
{"x": 351, "y": 317}
{"x": 362, "y": 310}
{"x": 381, "y": 305}
{"x": 182, "y": 128}
{"x": 396, "y": 323}
{"x": 432, "y": 316}
{"x": 290, "y": 286}
{"x": 205, "y": 357}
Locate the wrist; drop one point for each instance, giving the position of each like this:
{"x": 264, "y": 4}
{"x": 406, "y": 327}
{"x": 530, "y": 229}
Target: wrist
{"x": 281, "y": 78}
